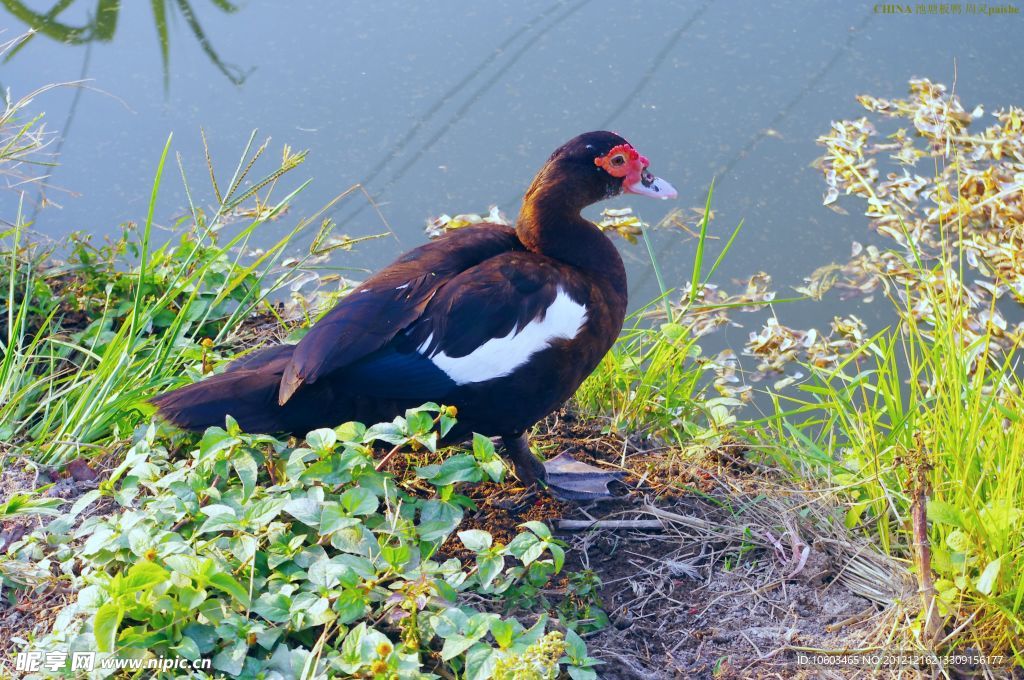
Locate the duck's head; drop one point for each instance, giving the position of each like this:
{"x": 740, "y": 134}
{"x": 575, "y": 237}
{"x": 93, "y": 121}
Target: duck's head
{"x": 601, "y": 164}
{"x": 586, "y": 169}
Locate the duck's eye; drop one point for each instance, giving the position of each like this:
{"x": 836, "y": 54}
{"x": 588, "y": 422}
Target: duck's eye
{"x": 618, "y": 161}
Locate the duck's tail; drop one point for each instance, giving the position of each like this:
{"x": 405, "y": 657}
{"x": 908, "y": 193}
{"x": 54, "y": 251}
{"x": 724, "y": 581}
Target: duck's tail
{"x": 247, "y": 391}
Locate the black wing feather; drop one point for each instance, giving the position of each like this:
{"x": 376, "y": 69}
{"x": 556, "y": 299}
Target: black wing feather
{"x": 391, "y": 300}
{"x": 391, "y": 373}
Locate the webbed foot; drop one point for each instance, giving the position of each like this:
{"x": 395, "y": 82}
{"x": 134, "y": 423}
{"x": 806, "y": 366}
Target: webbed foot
{"x": 565, "y": 477}
{"x": 570, "y": 480}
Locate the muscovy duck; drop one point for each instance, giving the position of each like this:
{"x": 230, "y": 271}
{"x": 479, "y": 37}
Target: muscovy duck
{"x": 504, "y": 324}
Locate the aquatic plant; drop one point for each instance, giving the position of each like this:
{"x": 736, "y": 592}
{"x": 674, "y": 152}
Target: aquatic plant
{"x": 23, "y": 138}
{"x": 969, "y": 205}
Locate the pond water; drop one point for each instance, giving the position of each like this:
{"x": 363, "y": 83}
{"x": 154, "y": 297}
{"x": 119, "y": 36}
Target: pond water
{"x": 451, "y": 107}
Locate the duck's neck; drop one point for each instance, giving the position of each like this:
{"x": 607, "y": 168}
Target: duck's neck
{"x": 550, "y": 224}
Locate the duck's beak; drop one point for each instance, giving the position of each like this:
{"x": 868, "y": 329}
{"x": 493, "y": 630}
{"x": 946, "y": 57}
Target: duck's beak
{"x": 649, "y": 185}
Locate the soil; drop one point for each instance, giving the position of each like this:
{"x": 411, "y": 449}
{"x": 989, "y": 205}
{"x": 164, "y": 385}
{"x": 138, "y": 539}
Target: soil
{"x": 683, "y": 604}
{"x": 31, "y": 612}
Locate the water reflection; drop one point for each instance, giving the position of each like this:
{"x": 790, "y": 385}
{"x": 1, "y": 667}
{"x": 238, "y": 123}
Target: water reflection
{"x": 101, "y": 24}
{"x": 543, "y": 20}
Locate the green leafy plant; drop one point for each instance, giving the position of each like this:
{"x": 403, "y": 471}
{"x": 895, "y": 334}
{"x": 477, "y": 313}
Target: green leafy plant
{"x": 260, "y": 556}
{"x": 582, "y": 609}
{"x": 25, "y": 504}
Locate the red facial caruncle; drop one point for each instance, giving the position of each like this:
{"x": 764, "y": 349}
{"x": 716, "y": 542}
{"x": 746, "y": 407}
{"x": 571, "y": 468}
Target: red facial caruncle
{"x": 622, "y": 161}
{"x": 626, "y": 162}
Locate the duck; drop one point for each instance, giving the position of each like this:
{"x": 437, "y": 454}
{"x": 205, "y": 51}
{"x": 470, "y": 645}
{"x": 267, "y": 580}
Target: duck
{"x": 503, "y": 323}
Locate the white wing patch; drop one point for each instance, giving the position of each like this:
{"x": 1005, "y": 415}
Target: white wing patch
{"x": 500, "y": 356}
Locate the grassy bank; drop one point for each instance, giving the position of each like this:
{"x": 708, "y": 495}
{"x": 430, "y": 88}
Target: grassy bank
{"x": 924, "y": 421}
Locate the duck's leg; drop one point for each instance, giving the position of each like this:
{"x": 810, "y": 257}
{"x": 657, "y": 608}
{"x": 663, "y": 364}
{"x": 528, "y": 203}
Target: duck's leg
{"x": 565, "y": 477}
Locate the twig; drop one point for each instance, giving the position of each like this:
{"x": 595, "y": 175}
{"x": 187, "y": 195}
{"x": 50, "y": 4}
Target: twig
{"x": 923, "y": 550}
{"x": 856, "y": 618}
{"x": 751, "y": 642}
{"x": 763, "y": 589}
{"x": 387, "y": 457}
{"x": 700, "y": 524}
{"x": 585, "y": 524}
{"x": 944, "y": 641}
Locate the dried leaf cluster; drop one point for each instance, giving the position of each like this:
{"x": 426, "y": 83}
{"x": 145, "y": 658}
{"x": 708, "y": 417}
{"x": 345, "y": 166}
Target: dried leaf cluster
{"x": 438, "y": 226}
{"x": 966, "y": 203}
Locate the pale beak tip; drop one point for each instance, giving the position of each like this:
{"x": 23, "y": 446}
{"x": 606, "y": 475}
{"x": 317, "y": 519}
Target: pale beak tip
{"x": 659, "y": 188}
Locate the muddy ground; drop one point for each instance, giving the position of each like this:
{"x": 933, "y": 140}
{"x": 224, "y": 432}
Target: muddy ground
{"x": 699, "y": 578}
